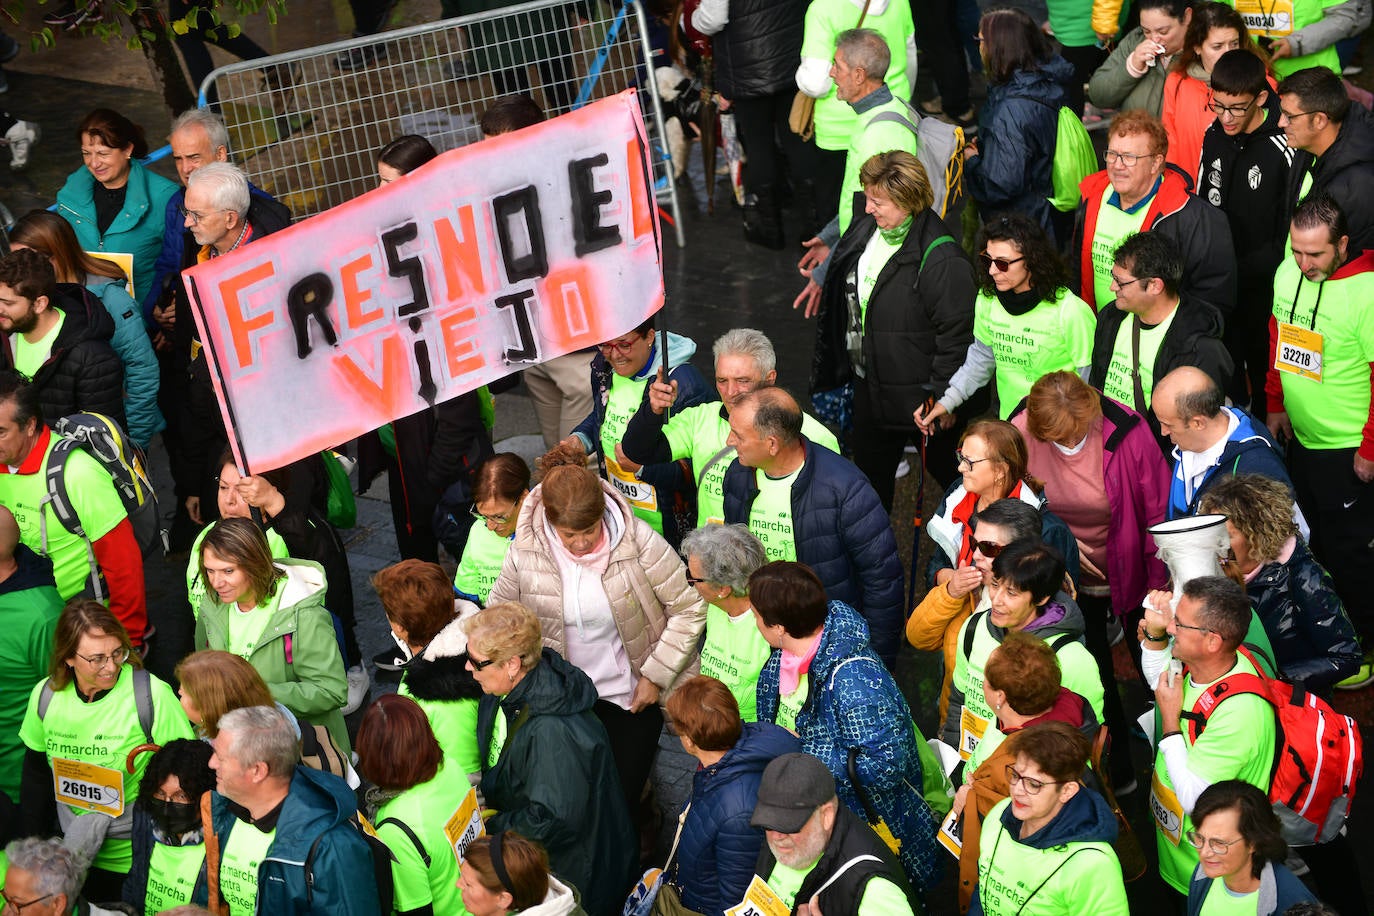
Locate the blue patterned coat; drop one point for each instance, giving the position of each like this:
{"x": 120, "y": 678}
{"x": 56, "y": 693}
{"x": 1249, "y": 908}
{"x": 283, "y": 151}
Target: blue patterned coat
{"x": 853, "y": 702}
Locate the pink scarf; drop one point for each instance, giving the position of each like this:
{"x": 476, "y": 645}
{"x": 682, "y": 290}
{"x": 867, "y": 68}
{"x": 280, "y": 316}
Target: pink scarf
{"x": 794, "y": 666}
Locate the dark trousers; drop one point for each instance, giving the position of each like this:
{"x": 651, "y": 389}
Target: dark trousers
{"x": 634, "y": 744}
{"x": 1340, "y": 509}
{"x": 822, "y": 170}
{"x": 1336, "y": 875}
{"x": 370, "y": 15}
{"x": 878, "y": 451}
{"x": 559, "y": 89}
{"x": 1084, "y": 60}
{"x": 1095, "y": 611}
{"x": 1247, "y": 340}
{"x": 937, "y": 35}
{"x": 192, "y": 44}
{"x": 764, "y": 134}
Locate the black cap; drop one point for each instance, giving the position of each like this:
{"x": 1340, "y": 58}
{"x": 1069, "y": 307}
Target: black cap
{"x": 792, "y": 788}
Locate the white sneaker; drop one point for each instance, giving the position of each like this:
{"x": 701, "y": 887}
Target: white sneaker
{"x": 358, "y": 684}
{"x": 19, "y": 138}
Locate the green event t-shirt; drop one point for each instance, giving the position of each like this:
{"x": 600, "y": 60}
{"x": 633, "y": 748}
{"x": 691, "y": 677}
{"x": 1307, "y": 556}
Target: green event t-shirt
{"x": 625, "y": 397}
{"x": 483, "y": 558}
{"x": 1222, "y": 901}
{"x": 869, "y": 267}
{"x": 881, "y": 897}
{"x": 172, "y": 874}
{"x": 454, "y": 723}
{"x": 500, "y": 729}
{"x": 699, "y": 433}
{"x": 246, "y": 627}
{"x": 1056, "y": 334}
{"x": 93, "y": 496}
{"x": 426, "y": 809}
{"x": 1114, "y": 226}
{"x": 825, "y": 20}
{"x": 30, "y": 617}
{"x": 1237, "y": 744}
{"x": 870, "y": 137}
{"x": 197, "y": 587}
{"x": 733, "y": 653}
{"x": 1331, "y": 413}
{"x": 789, "y": 704}
{"x": 238, "y": 868}
{"x": 1279, "y": 18}
{"x": 1118, "y": 383}
{"x": 30, "y": 357}
{"x": 770, "y": 517}
{"x": 102, "y": 733}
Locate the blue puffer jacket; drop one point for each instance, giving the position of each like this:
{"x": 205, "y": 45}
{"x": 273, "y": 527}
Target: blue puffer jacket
{"x": 135, "y": 350}
{"x": 137, "y": 228}
{"x": 854, "y": 709}
{"x": 1279, "y": 889}
{"x": 1249, "y": 450}
{"x": 842, "y": 532}
{"x": 1017, "y": 131}
{"x": 718, "y": 848}
{"x": 317, "y": 864}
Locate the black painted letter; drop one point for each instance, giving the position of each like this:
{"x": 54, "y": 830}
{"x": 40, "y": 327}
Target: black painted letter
{"x": 528, "y": 351}
{"x": 406, "y": 268}
{"x": 536, "y": 263}
{"x": 589, "y": 234}
{"x": 311, "y": 295}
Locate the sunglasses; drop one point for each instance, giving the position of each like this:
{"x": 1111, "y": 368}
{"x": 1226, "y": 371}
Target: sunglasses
{"x": 989, "y": 549}
{"x": 1002, "y": 264}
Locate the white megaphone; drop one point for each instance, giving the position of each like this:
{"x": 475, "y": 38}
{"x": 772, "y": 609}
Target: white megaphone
{"x": 1191, "y": 547}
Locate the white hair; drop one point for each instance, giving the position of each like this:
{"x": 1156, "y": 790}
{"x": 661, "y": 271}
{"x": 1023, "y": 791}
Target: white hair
{"x": 226, "y": 184}
{"x": 207, "y": 121}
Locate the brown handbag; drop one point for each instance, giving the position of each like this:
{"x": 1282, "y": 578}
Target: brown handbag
{"x": 802, "y": 118}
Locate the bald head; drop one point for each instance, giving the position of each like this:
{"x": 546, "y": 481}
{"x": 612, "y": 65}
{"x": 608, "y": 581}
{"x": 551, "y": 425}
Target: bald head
{"x": 1190, "y": 392}
{"x": 9, "y": 534}
{"x": 774, "y": 413}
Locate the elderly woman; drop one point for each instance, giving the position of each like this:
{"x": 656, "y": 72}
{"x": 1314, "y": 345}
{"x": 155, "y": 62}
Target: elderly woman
{"x": 1241, "y": 855}
{"x": 271, "y": 612}
{"x": 45, "y": 876}
{"x": 824, "y": 683}
{"x": 1026, "y": 321}
{"x": 417, "y": 798}
{"x": 992, "y": 464}
{"x": 96, "y": 706}
{"x": 1106, "y": 478}
{"x": 1026, "y": 578}
{"x": 520, "y": 883}
{"x": 895, "y": 317}
{"x": 720, "y": 560}
{"x": 547, "y": 768}
{"x": 116, "y": 205}
{"x": 612, "y": 598}
{"x": 620, "y": 375}
{"x": 1135, "y": 73}
{"x": 1022, "y": 685}
{"x": 499, "y": 488}
{"x": 419, "y": 606}
{"x": 168, "y": 840}
{"x": 1313, "y": 639}
{"x": 1053, "y": 834}
{"x": 717, "y": 847}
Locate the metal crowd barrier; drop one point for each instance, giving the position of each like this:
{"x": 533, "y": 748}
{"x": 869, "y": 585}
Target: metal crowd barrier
{"x": 306, "y": 127}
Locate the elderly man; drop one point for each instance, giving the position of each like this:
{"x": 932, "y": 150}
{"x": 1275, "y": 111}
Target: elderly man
{"x": 44, "y": 879}
{"x": 745, "y": 361}
{"x": 1154, "y": 325}
{"x": 286, "y": 842}
{"x": 1137, "y": 193}
{"x": 809, "y": 504}
{"x": 805, "y": 865}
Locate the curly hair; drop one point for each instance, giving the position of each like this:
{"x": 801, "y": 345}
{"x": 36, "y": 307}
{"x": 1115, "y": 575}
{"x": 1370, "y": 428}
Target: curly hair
{"x": 1048, "y": 276}
{"x": 1260, "y": 508}
{"x": 185, "y": 758}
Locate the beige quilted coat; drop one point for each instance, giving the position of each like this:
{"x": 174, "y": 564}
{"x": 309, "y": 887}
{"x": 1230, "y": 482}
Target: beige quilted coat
{"x": 659, "y": 616}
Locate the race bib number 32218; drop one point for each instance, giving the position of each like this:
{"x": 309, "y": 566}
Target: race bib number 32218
{"x": 1299, "y": 352}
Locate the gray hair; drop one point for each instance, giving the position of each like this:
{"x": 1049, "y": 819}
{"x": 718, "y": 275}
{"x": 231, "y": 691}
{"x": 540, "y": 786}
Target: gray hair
{"x": 53, "y": 866}
{"x": 728, "y": 554}
{"x": 750, "y": 343}
{"x": 226, "y": 184}
{"x": 865, "y": 49}
{"x": 207, "y": 121}
{"x": 261, "y": 734}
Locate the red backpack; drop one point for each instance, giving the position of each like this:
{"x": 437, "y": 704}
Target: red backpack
{"x": 1318, "y": 753}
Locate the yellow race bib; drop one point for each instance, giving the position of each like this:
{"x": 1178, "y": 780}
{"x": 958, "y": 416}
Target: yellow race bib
{"x": 1167, "y": 811}
{"x": 1270, "y": 18}
{"x": 86, "y": 785}
{"x": 759, "y": 900}
{"x": 972, "y": 727}
{"x": 1299, "y": 352}
{"x": 636, "y": 492}
{"x": 465, "y": 825}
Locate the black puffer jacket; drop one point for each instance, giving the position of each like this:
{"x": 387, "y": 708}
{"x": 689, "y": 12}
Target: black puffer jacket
{"x": 83, "y": 372}
{"x": 1346, "y": 172}
{"x": 919, "y": 322}
{"x": 756, "y": 54}
{"x": 1313, "y": 639}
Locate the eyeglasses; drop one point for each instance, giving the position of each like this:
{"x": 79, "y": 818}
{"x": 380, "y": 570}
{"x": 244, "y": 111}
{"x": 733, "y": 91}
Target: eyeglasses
{"x": 696, "y": 580}
{"x": 1298, "y": 114}
{"x": 1032, "y": 786}
{"x": 1002, "y": 264}
{"x": 498, "y": 519}
{"x": 1127, "y": 159}
{"x": 1233, "y": 111}
{"x": 195, "y": 217}
{"x": 960, "y": 459}
{"x": 118, "y": 656}
{"x": 621, "y": 346}
{"x": 1214, "y": 846}
{"x": 14, "y": 906}
{"x": 989, "y": 549}
{"x": 1122, "y": 284}
{"x": 1188, "y": 626}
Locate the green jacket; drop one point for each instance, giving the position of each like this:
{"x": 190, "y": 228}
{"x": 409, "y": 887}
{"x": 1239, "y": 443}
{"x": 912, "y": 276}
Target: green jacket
{"x": 1112, "y": 86}
{"x": 297, "y": 654}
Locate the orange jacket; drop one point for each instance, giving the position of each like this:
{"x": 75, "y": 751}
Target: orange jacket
{"x": 935, "y": 625}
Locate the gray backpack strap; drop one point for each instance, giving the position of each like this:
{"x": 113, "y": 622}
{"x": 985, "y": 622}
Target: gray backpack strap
{"x": 895, "y": 118}
{"x": 44, "y": 698}
{"x": 143, "y": 700}
{"x": 715, "y": 460}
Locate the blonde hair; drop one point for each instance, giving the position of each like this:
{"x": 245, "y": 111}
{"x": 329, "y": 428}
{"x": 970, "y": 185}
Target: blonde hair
{"x": 506, "y": 630}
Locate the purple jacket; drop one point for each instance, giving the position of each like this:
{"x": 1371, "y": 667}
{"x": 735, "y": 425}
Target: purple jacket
{"x": 1137, "y": 482}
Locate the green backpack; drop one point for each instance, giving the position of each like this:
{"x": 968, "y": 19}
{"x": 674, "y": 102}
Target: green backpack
{"x": 1074, "y": 159}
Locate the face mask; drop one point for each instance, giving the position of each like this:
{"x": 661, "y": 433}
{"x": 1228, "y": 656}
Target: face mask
{"x": 174, "y": 818}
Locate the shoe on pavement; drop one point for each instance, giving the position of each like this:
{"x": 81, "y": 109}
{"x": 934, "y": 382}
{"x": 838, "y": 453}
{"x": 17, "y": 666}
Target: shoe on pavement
{"x": 359, "y": 58}
{"x": 903, "y": 469}
{"x": 9, "y": 48}
{"x": 20, "y": 138}
{"x": 1363, "y": 677}
{"x": 358, "y": 684}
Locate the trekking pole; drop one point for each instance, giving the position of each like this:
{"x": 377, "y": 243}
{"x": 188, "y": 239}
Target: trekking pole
{"x": 918, "y": 516}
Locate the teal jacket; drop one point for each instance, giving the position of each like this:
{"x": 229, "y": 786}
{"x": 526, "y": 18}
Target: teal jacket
{"x": 137, "y": 228}
{"x": 297, "y": 654}
{"x": 141, "y": 415}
